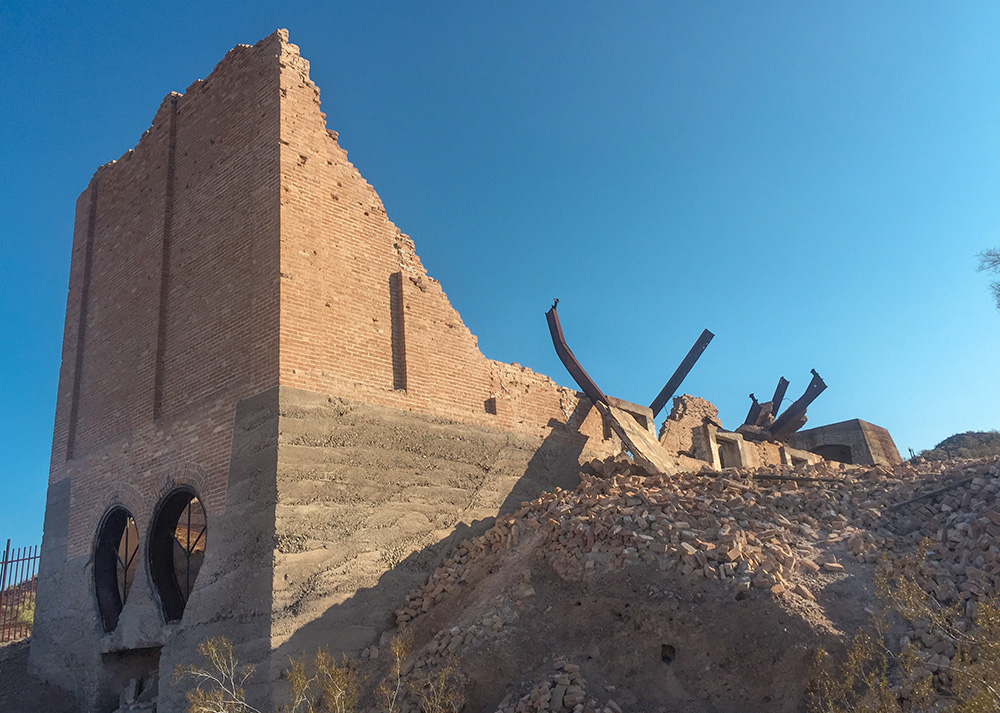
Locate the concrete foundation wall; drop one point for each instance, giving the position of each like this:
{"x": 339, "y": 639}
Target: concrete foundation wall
{"x": 371, "y": 498}
{"x": 231, "y": 595}
{"x": 335, "y": 510}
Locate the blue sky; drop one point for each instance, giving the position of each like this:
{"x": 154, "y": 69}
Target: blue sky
{"x": 811, "y": 181}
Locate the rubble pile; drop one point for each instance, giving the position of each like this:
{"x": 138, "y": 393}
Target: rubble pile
{"x": 775, "y": 532}
{"x": 963, "y": 562}
{"x": 566, "y": 690}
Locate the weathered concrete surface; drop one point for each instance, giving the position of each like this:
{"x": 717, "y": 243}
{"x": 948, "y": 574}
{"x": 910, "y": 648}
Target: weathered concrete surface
{"x": 853, "y": 441}
{"x": 231, "y": 596}
{"x": 641, "y": 443}
{"x": 369, "y": 499}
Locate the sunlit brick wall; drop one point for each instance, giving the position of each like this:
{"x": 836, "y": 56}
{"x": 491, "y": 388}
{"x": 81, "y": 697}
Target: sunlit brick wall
{"x": 172, "y": 308}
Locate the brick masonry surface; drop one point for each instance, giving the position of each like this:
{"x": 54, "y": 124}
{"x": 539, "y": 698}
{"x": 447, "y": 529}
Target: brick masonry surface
{"x": 235, "y": 250}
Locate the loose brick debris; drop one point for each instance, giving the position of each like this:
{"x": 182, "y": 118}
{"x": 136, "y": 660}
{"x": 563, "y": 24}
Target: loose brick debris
{"x": 566, "y": 690}
{"x": 751, "y": 535}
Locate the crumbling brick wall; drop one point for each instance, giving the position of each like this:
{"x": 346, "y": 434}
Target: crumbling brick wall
{"x": 360, "y": 316}
{"x": 172, "y": 308}
{"x": 232, "y": 251}
{"x": 679, "y": 432}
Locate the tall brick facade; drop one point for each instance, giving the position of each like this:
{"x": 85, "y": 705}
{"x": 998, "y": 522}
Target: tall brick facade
{"x": 230, "y": 268}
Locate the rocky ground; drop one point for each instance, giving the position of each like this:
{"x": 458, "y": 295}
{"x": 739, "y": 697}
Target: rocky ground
{"x": 20, "y": 692}
{"x": 705, "y": 591}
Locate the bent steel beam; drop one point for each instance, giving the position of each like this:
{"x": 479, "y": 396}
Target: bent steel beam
{"x": 792, "y": 419}
{"x": 675, "y": 381}
{"x": 754, "y": 413}
{"x": 580, "y": 376}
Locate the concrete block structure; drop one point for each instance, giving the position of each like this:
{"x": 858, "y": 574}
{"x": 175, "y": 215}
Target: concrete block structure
{"x": 270, "y": 420}
{"x": 853, "y": 441}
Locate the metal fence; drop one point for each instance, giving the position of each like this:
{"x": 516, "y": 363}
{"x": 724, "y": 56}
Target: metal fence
{"x": 17, "y": 591}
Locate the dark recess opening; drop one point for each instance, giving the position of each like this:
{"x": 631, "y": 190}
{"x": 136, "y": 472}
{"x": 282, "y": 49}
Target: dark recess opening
{"x": 177, "y": 549}
{"x": 729, "y": 454}
{"x": 834, "y": 452}
{"x": 397, "y": 314}
{"x": 667, "y": 653}
{"x": 114, "y": 564}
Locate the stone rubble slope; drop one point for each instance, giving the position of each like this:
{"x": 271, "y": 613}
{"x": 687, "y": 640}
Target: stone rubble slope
{"x": 779, "y": 533}
{"x": 565, "y": 690}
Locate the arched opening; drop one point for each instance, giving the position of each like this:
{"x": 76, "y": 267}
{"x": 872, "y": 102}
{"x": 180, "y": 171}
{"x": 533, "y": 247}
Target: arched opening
{"x": 115, "y": 561}
{"x": 176, "y": 549}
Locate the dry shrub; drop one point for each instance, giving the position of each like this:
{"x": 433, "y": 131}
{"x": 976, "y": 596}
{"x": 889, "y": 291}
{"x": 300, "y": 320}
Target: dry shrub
{"x": 220, "y": 680}
{"x": 392, "y": 690}
{"x": 332, "y": 687}
{"x": 874, "y": 679}
{"x": 322, "y": 684}
{"x": 442, "y": 692}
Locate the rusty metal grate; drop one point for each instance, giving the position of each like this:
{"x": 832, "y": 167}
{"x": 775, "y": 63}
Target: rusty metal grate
{"x": 18, "y": 580}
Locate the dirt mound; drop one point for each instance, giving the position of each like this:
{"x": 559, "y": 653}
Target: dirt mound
{"x": 700, "y": 592}
{"x": 20, "y": 692}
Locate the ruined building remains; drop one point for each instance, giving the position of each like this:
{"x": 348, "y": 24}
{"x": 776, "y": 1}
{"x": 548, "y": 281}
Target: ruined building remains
{"x": 270, "y": 420}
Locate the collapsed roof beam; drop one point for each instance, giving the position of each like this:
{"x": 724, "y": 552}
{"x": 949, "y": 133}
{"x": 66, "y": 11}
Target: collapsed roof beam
{"x": 580, "y": 376}
{"x": 779, "y": 395}
{"x": 675, "y": 381}
{"x": 760, "y": 413}
{"x": 794, "y": 417}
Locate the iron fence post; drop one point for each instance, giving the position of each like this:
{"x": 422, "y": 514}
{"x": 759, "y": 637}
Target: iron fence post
{"x": 3, "y": 583}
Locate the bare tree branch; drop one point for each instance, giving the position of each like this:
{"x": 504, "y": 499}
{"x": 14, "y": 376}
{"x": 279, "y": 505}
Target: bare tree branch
{"x": 989, "y": 260}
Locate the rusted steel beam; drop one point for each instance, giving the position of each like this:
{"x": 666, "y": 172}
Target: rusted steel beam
{"x": 675, "y": 381}
{"x": 580, "y": 376}
{"x": 779, "y": 395}
{"x": 792, "y": 419}
{"x": 754, "y": 413}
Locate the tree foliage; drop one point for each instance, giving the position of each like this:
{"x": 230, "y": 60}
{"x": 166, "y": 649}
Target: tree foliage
{"x": 989, "y": 261}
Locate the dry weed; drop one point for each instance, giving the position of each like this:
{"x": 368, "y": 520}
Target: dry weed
{"x": 874, "y": 679}
{"x": 322, "y": 684}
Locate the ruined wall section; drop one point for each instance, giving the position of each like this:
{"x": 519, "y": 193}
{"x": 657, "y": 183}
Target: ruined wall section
{"x": 172, "y": 309}
{"x": 679, "y": 432}
{"x": 360, "y": 316}
{"x": 221, "y": 306}
{"x": 233, "y": 250}
{"x": 171, "y": 321}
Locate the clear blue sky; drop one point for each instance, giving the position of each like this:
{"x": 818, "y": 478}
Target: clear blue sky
{"x": 811, "y": 181}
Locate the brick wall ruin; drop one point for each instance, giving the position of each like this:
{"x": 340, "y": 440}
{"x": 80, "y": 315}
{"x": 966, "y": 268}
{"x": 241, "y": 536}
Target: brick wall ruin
{"x": 249, "y": 335}
{"x": 233, "y": 266}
